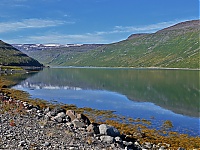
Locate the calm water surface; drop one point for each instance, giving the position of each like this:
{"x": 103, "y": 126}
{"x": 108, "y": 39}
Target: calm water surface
{"x": 138, "y": 93}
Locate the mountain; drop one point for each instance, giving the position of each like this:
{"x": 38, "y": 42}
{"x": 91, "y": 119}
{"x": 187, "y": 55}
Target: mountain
{"x": 55, "y": 54}
{"x": 10, "y": 56}
{"x": 173, "y": 47}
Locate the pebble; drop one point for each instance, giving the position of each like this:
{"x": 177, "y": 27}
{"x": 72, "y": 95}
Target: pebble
{"x": 47, "y": 144}
{"x": 107, "y": 139}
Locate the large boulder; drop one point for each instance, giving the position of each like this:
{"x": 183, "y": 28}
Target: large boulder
{"x": 60, "y": 117}
{"x": 107, "y": 139}
{"x": 92, "y": 128}
{"x": 108, "y": 130}
{"x": 83, "y": 118}
{"x": 78, "y": 124}
{"x": 71, "y": 114}
{"x": 57, "y": 110}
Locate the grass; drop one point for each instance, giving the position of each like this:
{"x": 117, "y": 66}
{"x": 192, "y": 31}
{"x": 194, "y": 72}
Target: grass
{"x": 129, "y": 53}
{"x": 11, "y": 68}
{"x": 134, "y": 128}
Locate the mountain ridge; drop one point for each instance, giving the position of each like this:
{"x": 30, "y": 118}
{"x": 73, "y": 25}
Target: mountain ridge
{"x": 183, "y": 25}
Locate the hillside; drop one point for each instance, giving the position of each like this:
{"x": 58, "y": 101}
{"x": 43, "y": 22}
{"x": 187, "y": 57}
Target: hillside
{"x": 55, "y": 55}
{"x": 173, "y": 47}
{"x": 10, "y": 56}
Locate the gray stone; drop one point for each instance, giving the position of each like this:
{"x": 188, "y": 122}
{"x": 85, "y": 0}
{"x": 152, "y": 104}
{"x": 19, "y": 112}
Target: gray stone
{"x": 147, "y": 145}
{"x": 61, "y": 114}
{"x": 67, "y": 118}
{"x": 180, "y": 148}
{"x": 25, "y": 104}
{"x": 48, "y": 114}
{"x": 47, "y": 144}
{"x": 130, "y": 148}
{"x": 155, "y": 146}
{"x": 162, "y": 148}
{"x": 57, "y": 110}
{"x": 119, "y": 146}
{"x": 39, "y": 114}
{"x": 108, "y": 130}
{"x": 83, "y": 118}
{"x": 71, "y": 114}
{"x": 113, "y": 145}
{"x": 125, "y": 143}
{"x": 22, "y": 143}
{"x": 107, "y": 139}
{"x": 93, "y": 129}
{"x": 77, "y": 123}
{"x": 46, "y": 110}
{"x": 118, "y": 139}
{"x": 69, "y": 124}
{"x": 58, "y": 119}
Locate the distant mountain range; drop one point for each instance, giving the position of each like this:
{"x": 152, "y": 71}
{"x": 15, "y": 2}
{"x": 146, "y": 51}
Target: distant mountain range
{"x": 10, "y": 56}
{"x": 173, "y": 47}
{"x": 55, "y": 54}
{"x": 33, "y": 47}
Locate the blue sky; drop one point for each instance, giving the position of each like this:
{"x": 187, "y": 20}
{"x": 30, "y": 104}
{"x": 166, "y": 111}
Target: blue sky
{"x": 88, "y": 21}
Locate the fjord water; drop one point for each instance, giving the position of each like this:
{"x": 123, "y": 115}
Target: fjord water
{"x": 153, "y": 94}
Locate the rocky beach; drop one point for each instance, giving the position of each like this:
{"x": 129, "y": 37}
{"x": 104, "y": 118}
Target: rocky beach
{"x": 25, "y": 126}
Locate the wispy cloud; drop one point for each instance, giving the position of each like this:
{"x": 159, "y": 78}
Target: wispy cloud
{"x": 79, "y": 38}
{"x": 30, "y": 23}
{"x": 60, "y": 38}
{"x": 138, "y": 29}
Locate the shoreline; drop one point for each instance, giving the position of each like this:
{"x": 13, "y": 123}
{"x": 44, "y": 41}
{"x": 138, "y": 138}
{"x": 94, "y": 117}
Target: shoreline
{"x": 31, "y": 69}
{"x": 136, "y": 68}
{"x": 18, "y": 69}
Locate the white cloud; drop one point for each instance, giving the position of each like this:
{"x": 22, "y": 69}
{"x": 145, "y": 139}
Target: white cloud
{"x": 147, "y": 28}
{"x": 67, "y": 38}
{"x": 59, "y": 38}
{"x": 140, "y": 29}
{"x": 30, "y": 23}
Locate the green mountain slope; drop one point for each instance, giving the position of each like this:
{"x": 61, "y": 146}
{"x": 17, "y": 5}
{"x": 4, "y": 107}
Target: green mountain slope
{"x": 176, "y": 47}
{"x": 59, "y": 56}
{"x": 173, "y": 47}
{"x": 10, "y": 56}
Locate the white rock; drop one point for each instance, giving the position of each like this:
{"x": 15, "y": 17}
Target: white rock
{"x": 61, "y": 114}
{"x": 118, "y": 139}
{"x": 22, "y": 143}
{"x": 107, "y": 139}
{"x": 108, "y": 130}
{"x": 77, "y": 123}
